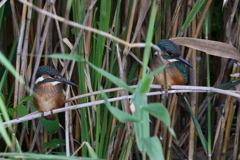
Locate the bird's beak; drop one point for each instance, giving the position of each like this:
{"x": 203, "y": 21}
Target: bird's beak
{"x": 66, "y": 81}
{"x": 184, "y": 61}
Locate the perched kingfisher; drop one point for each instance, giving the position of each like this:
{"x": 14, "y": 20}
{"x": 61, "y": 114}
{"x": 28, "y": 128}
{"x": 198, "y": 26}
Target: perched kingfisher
{"x": 175, "y": 71}
{"x": 48, "y": 90}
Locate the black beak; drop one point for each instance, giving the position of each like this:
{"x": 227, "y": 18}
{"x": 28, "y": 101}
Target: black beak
{"x": 184, "y": 61}
{"x": 66, "y": 81}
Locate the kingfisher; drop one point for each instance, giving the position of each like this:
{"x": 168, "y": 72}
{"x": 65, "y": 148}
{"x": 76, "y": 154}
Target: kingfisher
{"x": 175, "y": 71}
{"x": 48, "y": 90}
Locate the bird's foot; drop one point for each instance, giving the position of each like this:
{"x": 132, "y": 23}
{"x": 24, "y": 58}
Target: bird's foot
{"x": 42, "y": 113}
{"x": 169, "y": 87}
{"x": 165, "y": 87}
{"x": 162, "y": 87}
{"x": 51, "y": 111}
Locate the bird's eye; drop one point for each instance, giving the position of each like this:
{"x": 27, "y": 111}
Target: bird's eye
{"x": 155, "y": 53}
{"x": 51, "y": 75}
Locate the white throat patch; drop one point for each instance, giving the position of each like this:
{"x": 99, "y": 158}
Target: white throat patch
{"x": 40, "y": 79}
{"x": 55, "y": 83}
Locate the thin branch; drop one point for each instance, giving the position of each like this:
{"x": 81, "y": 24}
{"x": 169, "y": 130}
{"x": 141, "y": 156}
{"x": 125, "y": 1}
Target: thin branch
{"x": 155, "y": 86}
{"x": 180, "y": 87}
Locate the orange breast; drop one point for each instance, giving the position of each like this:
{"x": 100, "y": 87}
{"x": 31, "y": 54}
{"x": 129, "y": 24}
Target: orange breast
{"x": 173, "y": 77}
{"x": 173, "y": 74}
{"x": 48, "y": 97}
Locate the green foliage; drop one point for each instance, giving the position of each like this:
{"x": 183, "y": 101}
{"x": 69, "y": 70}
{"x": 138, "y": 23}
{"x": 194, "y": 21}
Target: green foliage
{"x": 142, "y": 128}
{"x": 198, "y": 128}
{"x": 153, "y": 147}
{"x": 11, "y": 112}
{"x": 32, "y": 156}
{"x": 159, "y": 20}
{"x": 226, "y": 86}
{"x": 1, "y": 14}
{"x": 22, "y": 111}
{"x": 120, "y": 115}
{"x": 150, "y": 145}
{"x": 79, "y": 14}
{"x": 55, "y": 143}
{"x": 26, "y": 99}
{"x": 111, "y": 77}
{"x": 147, "y": 49}
{"x": 3, "y": 131}
{"x": 91, "y": 151}
{"x": 52, "y": 126}
{"x": 10, "y": 67}
{"x": 159, "y": 111}
{"x": 191, "y": 15}
{"x": 4, "y": 117}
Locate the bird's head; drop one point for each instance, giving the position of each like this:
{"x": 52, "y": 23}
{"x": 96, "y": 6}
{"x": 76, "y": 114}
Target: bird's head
{"x": 171, "y": 51}
{"x": 47, "y": 74}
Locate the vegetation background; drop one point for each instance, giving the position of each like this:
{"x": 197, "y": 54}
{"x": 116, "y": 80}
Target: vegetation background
{"x": 111, "y": 35}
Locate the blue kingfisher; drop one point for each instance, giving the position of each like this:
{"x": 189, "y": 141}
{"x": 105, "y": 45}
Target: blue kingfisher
{"x": 48, "y": 90}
